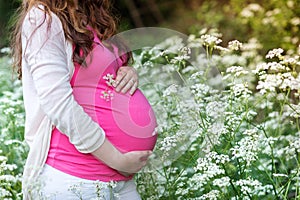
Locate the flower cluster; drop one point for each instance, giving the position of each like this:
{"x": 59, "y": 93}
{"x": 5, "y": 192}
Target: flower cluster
{"x": 235, "y": 45}
{"x": 109, "y": 79}
{"x": 281, "y": 74}
{"x": 210, "y": 40}
{"x": 107, "y": 94}
{"x": 242, "y": 140}
{"x": 251, "y": 9}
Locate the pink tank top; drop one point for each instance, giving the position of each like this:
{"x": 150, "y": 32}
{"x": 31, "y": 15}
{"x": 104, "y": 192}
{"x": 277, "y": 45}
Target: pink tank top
{"x": 128, "y": 121}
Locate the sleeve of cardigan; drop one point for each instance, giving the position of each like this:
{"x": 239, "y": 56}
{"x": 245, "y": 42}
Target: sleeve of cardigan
{"x": 45, "y": 53}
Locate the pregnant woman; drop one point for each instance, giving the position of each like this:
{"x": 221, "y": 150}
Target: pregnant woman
{"x": 87, "y": 138}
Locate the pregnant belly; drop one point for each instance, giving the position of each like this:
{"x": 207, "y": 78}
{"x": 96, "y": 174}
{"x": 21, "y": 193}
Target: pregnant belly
{"x": 129, "y": 121}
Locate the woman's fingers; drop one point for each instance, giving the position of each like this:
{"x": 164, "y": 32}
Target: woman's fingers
{"x": 135, "y": 161}
{"x": 120, "y": 75}
{"x": 126, "y": 80}
{"x": 129, "y": 86}
{"x": 145, "y": 156}
{"x": 133, "y": 88}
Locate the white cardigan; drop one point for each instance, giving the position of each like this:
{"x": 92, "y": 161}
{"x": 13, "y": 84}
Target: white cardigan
{"x": 47, "y": 68}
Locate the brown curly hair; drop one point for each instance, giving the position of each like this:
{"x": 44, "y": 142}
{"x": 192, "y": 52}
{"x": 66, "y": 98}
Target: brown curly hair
{"x": 75, "y": 19}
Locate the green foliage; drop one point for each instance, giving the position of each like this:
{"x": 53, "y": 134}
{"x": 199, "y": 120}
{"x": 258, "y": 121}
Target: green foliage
{"x": 274, "y": 23}
{"x": 7, "y": 8}
{"x": 13, "y": 149}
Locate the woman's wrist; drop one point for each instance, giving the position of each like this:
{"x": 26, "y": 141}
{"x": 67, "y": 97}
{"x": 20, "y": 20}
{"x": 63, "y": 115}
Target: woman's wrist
{"x": 130, "y": 162}
{"x": 108, "y": 154}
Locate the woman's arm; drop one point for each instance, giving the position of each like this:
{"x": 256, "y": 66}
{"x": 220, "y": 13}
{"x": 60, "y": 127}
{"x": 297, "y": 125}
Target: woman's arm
{"x": 45, "y": 55}
{"x": 130, "y": 162}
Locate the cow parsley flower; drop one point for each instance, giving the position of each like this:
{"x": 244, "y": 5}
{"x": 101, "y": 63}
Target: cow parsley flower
{"x": 268, "y": 83}
{"x": 109, "y": 79}
{"x": 212, "y": 195}
{"x": 248, "y": 186}
{"x": 236, "y": 70}
{"x": 241, "y": 89}
{"x": 246, "y": 149}
{"x": 250, "y": 10}
{"x": 275, "y": 53}
{"x": 234, "y": 45}
{"x": 107, "y": 95}
{"x": 222, "y": 182}
{"x": 5, "y": 50}
{"x": 210, "y": 40}
{"x": 172, "y": 89}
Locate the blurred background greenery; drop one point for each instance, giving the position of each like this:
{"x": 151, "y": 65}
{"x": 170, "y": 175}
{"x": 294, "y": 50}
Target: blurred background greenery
{"x": 275, "y": 23}
{"x": 7, "y": 7}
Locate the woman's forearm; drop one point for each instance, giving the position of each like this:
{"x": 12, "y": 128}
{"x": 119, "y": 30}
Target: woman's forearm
{"x": 130, "y": 162}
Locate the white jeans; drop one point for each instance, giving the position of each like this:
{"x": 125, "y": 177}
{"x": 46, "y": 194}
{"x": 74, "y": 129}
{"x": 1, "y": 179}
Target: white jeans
{"x": 57, "y": 185}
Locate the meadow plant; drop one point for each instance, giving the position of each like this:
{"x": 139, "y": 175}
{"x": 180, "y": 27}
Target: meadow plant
{"x": 13, "y": 149}
{"x": 228, "y": 120}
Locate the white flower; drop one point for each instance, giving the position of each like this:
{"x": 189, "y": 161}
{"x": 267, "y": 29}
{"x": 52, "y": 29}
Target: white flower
{"x": 222, "y": 182}
{"x": 296, "y": 145}
{"x": 290, "y": 3}
{"x": 215, "y": 109}
{"x": 107, "y": 95}
{"x": 251, "y": 45}
{"x": 247, "y": 148}
{"x": 295, "y": 21}
{"x": 247, "y": 13}
{"x": 197, "y": 75}
{"x": 289, "y": 61}
{"x": 185, "y": 50}
{"x": 212, "y": 195}
{"x": 172, "y": 89}
{"x": 235, "y": 45}
{"x": 76, "y": 189}
{"x": 5, "y": 50}
{"x": 241, "y": 89}
{"x": 200, "y": 90}
{"x": 109, "y": 79}
{"x": 275, "y": 53}
{"x": 8, "y": 178}
{"x": 251, "y": 132}
{"x": 209, "y": 40}
{"x": 209, "y": 164}
{"x": 268, "y": 83}
{"x": 269, "y": 20}
{"x": 276, "y": 67}
{"x": 9, "y": 167}
{"x": 250, "y": 10}
{"x": 255, "y": 7}
{"x": 236, "y": 70}
{"x": 3, "y": 158}
{"x": 248, "y": 186}
{"x": 288, "y": 81}
{"x": 180, "y": 58}
{"x": 5, "y": 193}
{"x": 168, "y": 143}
